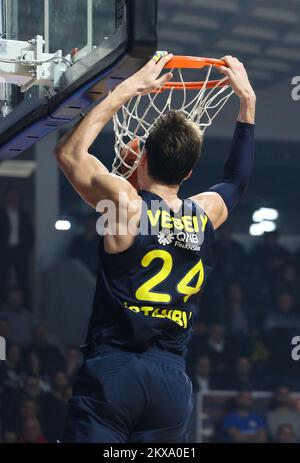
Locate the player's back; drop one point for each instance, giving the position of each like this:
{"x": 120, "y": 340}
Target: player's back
{"x": 147, "y": 294}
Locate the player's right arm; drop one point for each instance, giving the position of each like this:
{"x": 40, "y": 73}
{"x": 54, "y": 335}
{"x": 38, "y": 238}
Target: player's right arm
{"x": 219, "y": 201}
{"x": 86, "y": 173}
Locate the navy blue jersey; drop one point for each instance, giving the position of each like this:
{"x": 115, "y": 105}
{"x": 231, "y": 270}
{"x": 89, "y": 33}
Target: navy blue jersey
{"x": 147, "y": 294}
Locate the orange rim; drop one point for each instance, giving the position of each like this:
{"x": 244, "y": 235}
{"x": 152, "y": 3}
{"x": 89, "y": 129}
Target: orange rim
{"x": 193, "y": 62}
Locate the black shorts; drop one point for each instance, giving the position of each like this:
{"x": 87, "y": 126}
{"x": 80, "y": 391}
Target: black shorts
{"x": 130, "y": 397}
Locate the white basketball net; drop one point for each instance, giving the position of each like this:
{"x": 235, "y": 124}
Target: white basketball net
{"x": 135, "y": 119}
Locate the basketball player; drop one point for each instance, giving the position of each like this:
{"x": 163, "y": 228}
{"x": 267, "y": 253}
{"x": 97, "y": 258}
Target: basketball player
{"x": 132, "y": 386}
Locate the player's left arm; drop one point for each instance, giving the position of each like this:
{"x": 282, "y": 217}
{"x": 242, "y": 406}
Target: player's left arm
{"x": 219, "y": 201}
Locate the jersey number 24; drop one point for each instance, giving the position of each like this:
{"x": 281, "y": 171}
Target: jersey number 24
{"x": 145, "y": 291}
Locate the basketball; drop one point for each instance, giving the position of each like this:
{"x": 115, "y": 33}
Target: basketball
{"x": 129, "y": 157}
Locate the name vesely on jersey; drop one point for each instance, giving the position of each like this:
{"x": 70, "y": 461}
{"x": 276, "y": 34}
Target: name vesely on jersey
{"x": 156, "y": 216}
{"x": 188, "y": 223}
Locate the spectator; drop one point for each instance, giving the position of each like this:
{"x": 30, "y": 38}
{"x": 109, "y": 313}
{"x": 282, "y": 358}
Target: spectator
{"x": 32, "y": 367}
{"x": 218, "y": 348}
{"x": 285, "y": 434}
{"x": 196, "y": 344}
{"x": 237, "y": 319}
{"x": 66, "y": 395}
{"x": 288, "y": 281}
{"x": 9, "y": 437}
{"x": 242, "y": 376}
{"x": 280, "y": 326}
{"x": 284, "y": 316}
{"x": 16, "y": 242}
{"x": 259, "y": 359}
{"x": 13, "y": 398}
{"x": 4, "y": 328}
{"x": 231, "y": 255}
{"x": 50, "y": 356}
{"x": 60, "y": 381}
{"x": 244, "y": 425}
{"x": 269, "y": 256}
{"x": 283, "y": 413}
{"x": 55, "y": 408}
{"x": 32, "y": 390}
{"x": 73, "y": 362}
{"x": 20, "y": 321}
{"x": 28, "y": 409}
{"x": 202, "y": 377}
{"x": 84, "y": 246}
{"x": 10, "y": 370}
{"x": 32, "y": 433}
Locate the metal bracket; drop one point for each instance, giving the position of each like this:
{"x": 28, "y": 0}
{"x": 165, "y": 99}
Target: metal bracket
{"x": 25, "y": 63}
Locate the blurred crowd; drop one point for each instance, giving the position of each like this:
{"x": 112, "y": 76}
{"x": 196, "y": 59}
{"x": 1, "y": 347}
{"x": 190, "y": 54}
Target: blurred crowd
{"x": 245, "y": 422}
{"x": 35, "y": 384}
{"x": 16, "y": 244}
{"x": 242, "y": 339}
{"x": 37, "y": 377}
{"x": 243, "y": 335}
{"x": 249, "y": 315}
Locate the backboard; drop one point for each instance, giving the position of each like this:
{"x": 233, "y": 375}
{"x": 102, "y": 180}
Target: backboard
{"x": 100, "y": 41}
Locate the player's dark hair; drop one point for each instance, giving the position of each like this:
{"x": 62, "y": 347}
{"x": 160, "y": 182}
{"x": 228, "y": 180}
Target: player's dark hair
{"x": 173, "y": 147}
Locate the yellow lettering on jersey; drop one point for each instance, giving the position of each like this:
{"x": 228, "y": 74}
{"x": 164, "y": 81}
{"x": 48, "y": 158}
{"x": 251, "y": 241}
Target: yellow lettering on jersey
{"x": 146, "y": 310}
{"x": 177, "y": 317}
{"x": 188, "y": 226}
{"x": 178, "y": 224}
{"x": 153, "y": 219}
{"x": 184, "y": 287}
{"x": 134, "y": 308}
{"x": 196, "y": 223}
{"x": 203, "y": 219}
{"x": 157, "y": 314}
{"x": 184, "y": 317}
{"x": 187, "y": 223}
{"x": 166, "y": 220}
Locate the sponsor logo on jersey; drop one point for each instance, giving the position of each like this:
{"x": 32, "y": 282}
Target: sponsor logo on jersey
{"x": 165, "y": 237}
{"x": 188, "y": 241}
{"x": 180, "y": 239}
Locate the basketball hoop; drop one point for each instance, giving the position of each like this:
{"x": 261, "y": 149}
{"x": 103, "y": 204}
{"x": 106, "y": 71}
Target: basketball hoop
{"x": 200, "y": 101}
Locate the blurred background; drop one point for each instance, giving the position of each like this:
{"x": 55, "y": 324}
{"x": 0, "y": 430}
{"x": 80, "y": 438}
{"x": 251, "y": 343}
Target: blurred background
{"x": 246, "y": 384}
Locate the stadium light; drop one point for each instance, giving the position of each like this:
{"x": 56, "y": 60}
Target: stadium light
{"x": 62, "y": 225}
{"x": 258, "y": 229}
{"x": 268, "y": 225}
{"x": 265, "y": 213}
